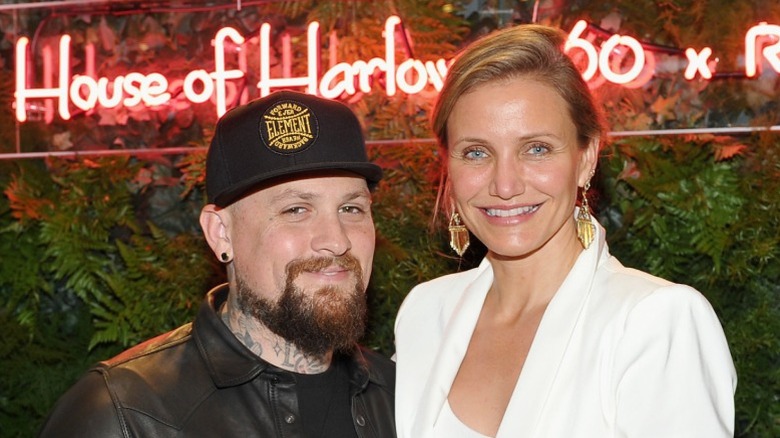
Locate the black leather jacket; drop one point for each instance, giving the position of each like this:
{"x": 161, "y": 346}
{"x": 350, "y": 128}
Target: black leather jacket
{"x": 199, "y": 380}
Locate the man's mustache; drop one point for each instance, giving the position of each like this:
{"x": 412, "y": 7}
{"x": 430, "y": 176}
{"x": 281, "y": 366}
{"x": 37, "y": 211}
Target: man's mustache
{"x": 316, "y": 264}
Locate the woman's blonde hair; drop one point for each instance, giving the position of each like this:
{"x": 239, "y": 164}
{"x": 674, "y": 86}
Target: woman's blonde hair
{"x": 529, "y": 51}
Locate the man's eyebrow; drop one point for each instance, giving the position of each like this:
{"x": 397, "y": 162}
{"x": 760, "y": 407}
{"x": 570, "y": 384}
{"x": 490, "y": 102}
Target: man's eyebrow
{"x": 288, "y": 194}
{"x": 292, "y": 193}
{"x": 357, "y": 194}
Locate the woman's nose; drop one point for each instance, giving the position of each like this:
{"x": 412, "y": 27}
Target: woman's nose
{"x": 507, "y": 181}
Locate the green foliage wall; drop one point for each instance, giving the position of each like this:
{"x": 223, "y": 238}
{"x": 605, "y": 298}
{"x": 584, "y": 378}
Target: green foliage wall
{"x": 86, "y": 272}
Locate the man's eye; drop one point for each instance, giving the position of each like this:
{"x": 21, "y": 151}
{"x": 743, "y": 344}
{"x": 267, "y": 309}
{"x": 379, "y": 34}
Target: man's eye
{"x": 353, "y": 209}
{"x": 295, "y": 210}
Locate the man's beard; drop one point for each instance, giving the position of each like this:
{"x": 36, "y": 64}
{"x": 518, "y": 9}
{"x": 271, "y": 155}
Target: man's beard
{"x": 328, "y": 319}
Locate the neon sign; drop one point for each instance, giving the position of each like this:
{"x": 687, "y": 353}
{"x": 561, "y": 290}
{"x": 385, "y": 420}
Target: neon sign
{"x": 411, "y": 76}
{"x": 762, "y": 43}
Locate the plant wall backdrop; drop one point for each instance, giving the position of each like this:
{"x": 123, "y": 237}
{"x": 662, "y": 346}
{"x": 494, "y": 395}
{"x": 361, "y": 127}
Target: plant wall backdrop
{"x": 98, "y": 253}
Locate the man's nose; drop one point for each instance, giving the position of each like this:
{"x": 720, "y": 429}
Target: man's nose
{"x": 330, "y": 236}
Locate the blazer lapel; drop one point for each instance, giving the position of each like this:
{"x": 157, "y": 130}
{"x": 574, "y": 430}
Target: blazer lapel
{"x": 455, "y": 340}
{"x": 550, "y": 344}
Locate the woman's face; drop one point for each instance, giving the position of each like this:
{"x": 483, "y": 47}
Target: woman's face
{"x": 515, "y": 166}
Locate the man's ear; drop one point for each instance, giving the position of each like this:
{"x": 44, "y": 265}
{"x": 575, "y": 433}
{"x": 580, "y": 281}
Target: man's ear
{"x": 215, "y": 223}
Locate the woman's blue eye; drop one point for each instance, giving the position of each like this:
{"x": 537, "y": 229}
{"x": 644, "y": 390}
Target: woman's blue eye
{"x": 538, "y": 149}
{"x": 474, "y": 154}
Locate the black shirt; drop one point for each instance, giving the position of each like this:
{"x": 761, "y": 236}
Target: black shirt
{"x": 324, "y": 402}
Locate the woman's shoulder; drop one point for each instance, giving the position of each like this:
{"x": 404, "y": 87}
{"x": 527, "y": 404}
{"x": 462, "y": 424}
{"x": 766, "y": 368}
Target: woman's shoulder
{"x": 438, "y": 296}
{"x": 642, "y": 292}
{"x": 444, "y": 287}
{"x": 448, "y": 280}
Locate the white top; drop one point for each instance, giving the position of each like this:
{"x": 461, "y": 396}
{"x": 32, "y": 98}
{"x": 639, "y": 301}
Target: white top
{"x": 449, "y": 425}
{"x": 618, "y": 353}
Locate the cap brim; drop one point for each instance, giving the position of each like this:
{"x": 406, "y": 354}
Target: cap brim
{"x": 371, "y": 172}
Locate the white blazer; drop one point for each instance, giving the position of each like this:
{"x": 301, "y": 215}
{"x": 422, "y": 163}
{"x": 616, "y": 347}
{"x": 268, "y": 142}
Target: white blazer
{"x": 618, "y": 353}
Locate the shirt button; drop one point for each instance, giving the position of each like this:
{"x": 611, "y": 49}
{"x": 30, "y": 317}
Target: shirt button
{"x": 289, "y": 419}
{"x": 360, "y": 420}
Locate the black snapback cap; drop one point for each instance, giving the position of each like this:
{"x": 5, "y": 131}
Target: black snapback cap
{"x": 284, "y": 133}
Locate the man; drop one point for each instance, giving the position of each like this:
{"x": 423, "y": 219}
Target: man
{"x": 273, "y": 352}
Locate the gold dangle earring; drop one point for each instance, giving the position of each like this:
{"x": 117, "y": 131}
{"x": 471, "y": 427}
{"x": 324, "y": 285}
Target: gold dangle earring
{"x": 459, "y": 235}
{"x": 585, "y": 228}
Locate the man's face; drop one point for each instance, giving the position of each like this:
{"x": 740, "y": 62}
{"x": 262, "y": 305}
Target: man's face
{"x": 302, "y": 257}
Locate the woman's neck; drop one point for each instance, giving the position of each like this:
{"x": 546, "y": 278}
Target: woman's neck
{"x": 525, "y": 283}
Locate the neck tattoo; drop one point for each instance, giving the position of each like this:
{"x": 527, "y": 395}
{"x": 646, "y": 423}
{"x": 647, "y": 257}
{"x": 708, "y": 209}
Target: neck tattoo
{"x": 269, "y": 346}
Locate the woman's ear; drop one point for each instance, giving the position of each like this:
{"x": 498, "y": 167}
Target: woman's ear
{"x": 588, "y": 161}
{"x": 215, "y": 223}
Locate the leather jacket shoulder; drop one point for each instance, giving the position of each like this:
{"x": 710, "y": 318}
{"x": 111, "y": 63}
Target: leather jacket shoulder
{"x": 199, "y": 380}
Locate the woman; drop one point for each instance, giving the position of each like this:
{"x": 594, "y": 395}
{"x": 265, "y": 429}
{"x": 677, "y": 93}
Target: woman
{"x": 550, "y": 336}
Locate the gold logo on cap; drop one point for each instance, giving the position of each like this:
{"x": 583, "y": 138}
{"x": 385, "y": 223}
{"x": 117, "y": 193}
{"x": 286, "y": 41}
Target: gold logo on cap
{"x": 288, "y": 127}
